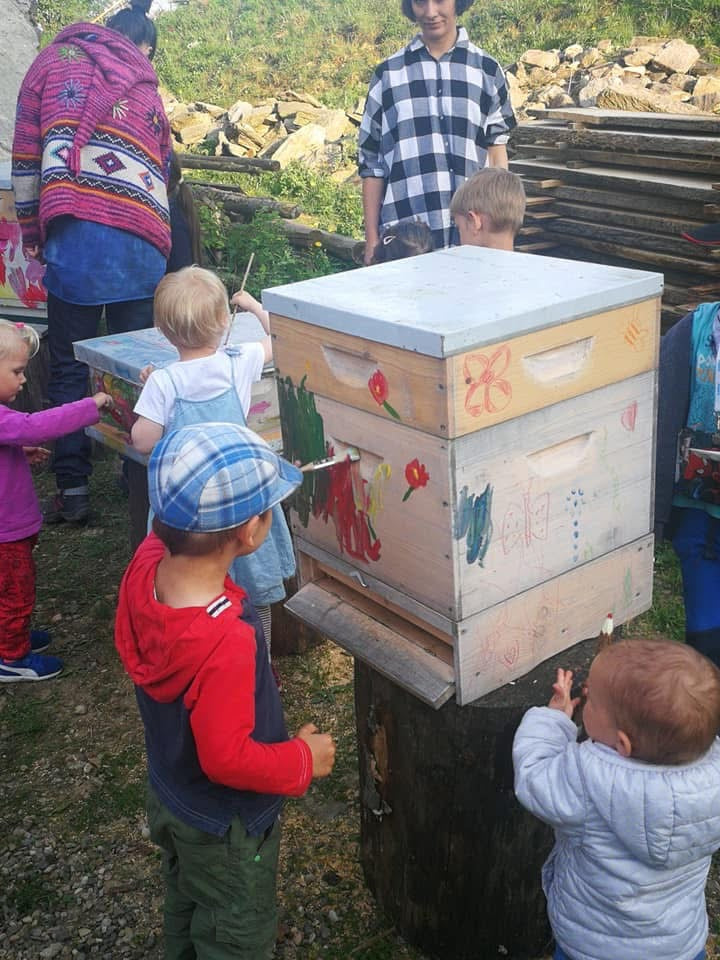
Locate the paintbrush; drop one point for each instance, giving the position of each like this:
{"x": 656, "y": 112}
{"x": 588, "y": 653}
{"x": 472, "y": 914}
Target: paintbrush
{"x": 350, "y": 453}
{"x": 241, "y": 290}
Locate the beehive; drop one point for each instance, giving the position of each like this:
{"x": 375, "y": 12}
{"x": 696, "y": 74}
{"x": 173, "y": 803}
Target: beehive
{"x": 503, "y": 406}
{"x": 115, "y": 363}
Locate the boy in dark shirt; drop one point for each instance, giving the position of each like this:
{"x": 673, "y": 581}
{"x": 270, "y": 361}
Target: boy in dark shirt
{"x": 219, "y": 757}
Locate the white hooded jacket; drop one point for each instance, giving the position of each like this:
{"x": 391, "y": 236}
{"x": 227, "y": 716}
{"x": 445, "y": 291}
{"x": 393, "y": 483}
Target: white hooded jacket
{"x": 633, "y": 841}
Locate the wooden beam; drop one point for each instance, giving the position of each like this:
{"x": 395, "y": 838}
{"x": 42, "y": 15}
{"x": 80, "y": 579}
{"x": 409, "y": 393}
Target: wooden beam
{"x": 634, "y": 120}
{"x": 648, "y": 182}
{"x": 647, "y": 203}
{"x": 629, "y": 238}
{"x": 653, "y": 161}
{"x": 670, "y": 226}
{"x": 658, "y": 261}
{"x": 633, "y": 141}
{"x": 255, "y": 165}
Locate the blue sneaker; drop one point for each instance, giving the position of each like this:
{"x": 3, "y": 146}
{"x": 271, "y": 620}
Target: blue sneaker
{"x": 32, "y": 667}
{"x": 39, "y": 640}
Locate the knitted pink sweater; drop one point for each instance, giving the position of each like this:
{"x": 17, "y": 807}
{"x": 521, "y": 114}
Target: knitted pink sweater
{"x": 91, "y": 138}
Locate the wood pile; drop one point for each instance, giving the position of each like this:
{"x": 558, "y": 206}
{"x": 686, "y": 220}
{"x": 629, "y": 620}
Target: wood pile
{"x": 621, "y": 188}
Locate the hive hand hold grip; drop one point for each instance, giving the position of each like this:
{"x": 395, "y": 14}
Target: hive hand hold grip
{"x": 349, "y": 367}
{"x": 559, "y": 363}
{"x": 561, "y": 457}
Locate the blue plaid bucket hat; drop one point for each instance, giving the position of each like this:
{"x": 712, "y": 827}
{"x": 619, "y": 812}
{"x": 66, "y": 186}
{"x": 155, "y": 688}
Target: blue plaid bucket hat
{"x": 215, "y": 476}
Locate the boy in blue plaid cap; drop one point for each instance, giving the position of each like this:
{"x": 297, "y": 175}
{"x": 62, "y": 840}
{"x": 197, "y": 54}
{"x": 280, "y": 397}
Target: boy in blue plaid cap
{"x": 219, "y": 757}
{"x": 436, "y": 111}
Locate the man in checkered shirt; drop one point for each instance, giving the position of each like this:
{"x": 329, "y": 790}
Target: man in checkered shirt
{"x": 436, "y": 112}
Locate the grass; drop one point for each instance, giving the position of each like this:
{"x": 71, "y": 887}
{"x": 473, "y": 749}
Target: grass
{"x": 224, "y": 50}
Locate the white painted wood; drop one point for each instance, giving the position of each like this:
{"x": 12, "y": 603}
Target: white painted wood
{"x": 506, "y": 641}
{"x": 455, "y": 299}
{"x": 569, "y": 483}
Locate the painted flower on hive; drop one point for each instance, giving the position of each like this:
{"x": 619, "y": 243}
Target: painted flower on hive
{"x": 379, "y": 389}
{"x": 416, "y": 476}
{"x": 488, "y": 391}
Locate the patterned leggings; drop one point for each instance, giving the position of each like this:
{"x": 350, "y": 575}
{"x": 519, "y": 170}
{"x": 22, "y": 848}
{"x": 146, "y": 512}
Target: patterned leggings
{"x": 17, "y": 597}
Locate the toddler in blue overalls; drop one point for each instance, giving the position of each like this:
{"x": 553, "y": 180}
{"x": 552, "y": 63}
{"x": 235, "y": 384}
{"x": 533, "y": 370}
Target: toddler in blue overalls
{"x": 212, "y": 383}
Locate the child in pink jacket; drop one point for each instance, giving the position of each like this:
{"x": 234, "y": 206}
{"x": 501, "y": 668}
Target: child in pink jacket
{"x": 20, "y": 518}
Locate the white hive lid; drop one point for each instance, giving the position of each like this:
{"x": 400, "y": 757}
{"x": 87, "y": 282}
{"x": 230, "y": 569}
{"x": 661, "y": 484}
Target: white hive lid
{"x": 459, "y": 298}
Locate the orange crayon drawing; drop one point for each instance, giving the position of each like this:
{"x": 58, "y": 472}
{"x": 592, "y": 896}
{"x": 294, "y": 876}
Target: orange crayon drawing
{"x": 488, "y": 391}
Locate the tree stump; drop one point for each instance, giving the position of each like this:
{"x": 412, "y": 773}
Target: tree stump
{"x": 449, "y": 854}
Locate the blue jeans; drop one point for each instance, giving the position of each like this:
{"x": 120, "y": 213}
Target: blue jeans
{"x": 68, "y": 322}
{"x": 696, "y": 541}
{"x": 561, "y": 955}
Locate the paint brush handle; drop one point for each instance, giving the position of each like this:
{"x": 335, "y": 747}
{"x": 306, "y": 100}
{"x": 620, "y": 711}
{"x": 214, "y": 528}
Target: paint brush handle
{"x": 351, "y": 454}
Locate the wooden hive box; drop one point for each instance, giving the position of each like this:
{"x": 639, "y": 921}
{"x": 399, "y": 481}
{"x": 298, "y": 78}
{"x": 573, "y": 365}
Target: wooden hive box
{"x": 115, "y": 363}
{"x": 503, "y": 407}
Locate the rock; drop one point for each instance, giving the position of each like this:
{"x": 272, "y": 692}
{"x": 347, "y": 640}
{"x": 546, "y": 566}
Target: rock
{"x": 591, "y": 56}
{"x": 704, "y": 69}
{"x": 638, "y": 58}
{"x": 191, "y": 126}
{"x": 588, "y": 96}
{"x": 80, "y": 709}
{"x": 226, "y": 147}
{"x": 518, "y": 94}
{"x": 240, "y": 110}
{"x": 304, "y": 143}
{"x": 622, "y": 97}
{"x": 334, "y": 121}
{"x": 545, "y": 59}
{"x": 605, "y": 46}
{"x": 538, "y": 77}
{"x": 573, "y": 51}
{"x": 20, "y": 43}
{"x": 682, "y": 81}
{"x": 300, "y": 97}
{"x": 288, "y": 108}
{"x": 676, "y": 56}
{"x": 51, "y": 951}
{"x": 706, "y": 93}
{"x": 210, "y": 108}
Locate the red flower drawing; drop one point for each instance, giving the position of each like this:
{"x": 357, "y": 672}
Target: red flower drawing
{"x": 416, "y": 476}
{"x": 379, "y": 389}
{"x": 484, "y": 377}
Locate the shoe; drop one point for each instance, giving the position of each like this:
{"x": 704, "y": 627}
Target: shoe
{"x": 32, "y": 667}
{"x": 72, "y": 507}
{"x": 39, "y": 640}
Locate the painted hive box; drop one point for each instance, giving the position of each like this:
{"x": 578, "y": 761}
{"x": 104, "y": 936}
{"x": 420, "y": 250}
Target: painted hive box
{"x": 503, "y": 409}
{"x": 21, "y": 289}
{"x": 115, "y": 363}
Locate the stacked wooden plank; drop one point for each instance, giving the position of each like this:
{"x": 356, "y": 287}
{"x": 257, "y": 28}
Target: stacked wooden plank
{"x": 621, "y": 188}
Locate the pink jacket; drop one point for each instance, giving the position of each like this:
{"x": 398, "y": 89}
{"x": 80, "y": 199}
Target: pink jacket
{"x": 91, "y": 138}
{"x": 20, "y": 515}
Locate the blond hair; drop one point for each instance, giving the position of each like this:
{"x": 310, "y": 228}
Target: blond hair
{"x": 496, "y": 193}
{"x": 12, "y": 335}
{"x": 191, "y": 307}
{"x": 665, "y": 696}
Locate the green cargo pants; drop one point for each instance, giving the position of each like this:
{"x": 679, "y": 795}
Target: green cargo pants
{"x": 219, "y": 891}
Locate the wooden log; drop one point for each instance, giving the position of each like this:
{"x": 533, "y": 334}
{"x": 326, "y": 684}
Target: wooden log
{"x": 672, "y": 226}
{"x": 634, "y": 141}
{"x": 632, "y": 238}
{"x": 255, "y": 165}
{"x": 634, "y": 120}
{"x": 449, "y": 854}
{"x": 645, "y": 182}
{"x": 245, "y": 206}
{"x": 657, "y": 261}
{"x": 658, "y": 204}
{"x": 681, "y": 164}
{"x": 345, "y": 248}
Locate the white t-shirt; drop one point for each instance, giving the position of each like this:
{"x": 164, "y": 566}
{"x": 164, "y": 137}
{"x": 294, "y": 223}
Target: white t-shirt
{"x": 201, "y": 379}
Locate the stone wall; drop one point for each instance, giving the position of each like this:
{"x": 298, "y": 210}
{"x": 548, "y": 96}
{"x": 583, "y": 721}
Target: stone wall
{"x": 19, "y": 46}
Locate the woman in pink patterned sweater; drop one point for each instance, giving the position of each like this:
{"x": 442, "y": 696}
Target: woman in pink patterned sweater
{"x": 90, "y": 160}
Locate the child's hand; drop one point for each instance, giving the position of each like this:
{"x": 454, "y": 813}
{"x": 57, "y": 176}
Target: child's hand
{"x": 242, "y": 300}
{"x": 36, "y": 455}
{"x": 146, "y": 371}
{"x": 321, "y": 746}
{"x": 103, "y": 401}
{"x": 561, "y": 698}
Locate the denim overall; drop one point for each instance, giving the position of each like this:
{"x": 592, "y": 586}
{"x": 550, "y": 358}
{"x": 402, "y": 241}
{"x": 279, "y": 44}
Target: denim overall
{"x": 261, "y": 573}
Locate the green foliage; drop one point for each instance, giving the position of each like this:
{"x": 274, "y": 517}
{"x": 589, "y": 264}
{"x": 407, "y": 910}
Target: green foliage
{"x": 275, "y": 261}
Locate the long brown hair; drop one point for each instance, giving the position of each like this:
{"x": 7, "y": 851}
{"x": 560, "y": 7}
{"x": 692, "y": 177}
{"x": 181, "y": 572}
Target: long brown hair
{"x": 178, "y": 188}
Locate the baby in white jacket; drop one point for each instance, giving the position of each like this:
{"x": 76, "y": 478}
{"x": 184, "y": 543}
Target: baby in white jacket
{"x": 635, "y": 807}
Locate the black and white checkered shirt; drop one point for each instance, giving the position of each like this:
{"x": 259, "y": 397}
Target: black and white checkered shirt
{"x": 427, "y": 126}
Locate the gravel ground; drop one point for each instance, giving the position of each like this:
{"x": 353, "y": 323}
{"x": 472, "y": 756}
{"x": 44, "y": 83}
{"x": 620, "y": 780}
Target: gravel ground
{"x": 78, "y": 875}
